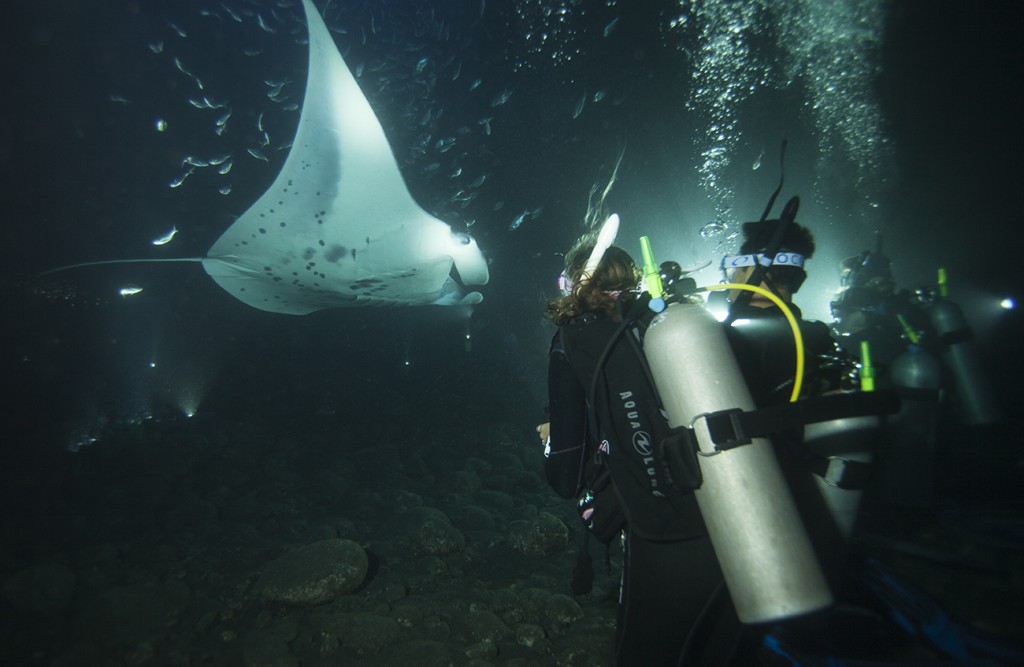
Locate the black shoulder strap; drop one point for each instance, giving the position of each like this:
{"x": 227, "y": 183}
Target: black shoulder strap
{"x": 733, "y": 428}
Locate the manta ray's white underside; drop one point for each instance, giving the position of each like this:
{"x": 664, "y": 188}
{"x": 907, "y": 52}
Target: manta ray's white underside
{"x": 338, "y": 226}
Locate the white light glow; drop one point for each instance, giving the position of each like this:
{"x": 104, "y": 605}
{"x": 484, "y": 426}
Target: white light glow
{"x": 188, "y": 395}
{"x": 1008, "y": 304}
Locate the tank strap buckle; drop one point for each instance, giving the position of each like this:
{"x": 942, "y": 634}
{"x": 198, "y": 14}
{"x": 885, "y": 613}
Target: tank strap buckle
{"x": 725, "y": 428}
{"x": 843, "y": 473}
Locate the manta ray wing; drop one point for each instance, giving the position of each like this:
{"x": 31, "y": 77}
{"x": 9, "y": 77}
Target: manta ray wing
{"x": 338, "y": 226}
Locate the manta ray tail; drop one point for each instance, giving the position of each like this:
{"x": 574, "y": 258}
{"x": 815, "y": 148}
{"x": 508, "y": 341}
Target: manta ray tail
{"x": 122, "y": 261}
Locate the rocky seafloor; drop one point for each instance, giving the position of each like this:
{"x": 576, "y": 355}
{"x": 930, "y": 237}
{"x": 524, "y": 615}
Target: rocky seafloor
{"x": 257, "y": 544}
{"x": 387, "y": 538}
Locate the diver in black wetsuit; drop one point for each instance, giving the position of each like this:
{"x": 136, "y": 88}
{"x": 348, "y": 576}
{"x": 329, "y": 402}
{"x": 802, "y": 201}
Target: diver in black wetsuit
{"x": 759, "y": 333}
{"x": 604, "y": 418}
{"x": 762, "y": 342}
{"x": 870, "y": 308}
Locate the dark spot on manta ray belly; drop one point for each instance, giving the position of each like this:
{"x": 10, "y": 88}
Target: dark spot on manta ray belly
{"x": 335, "y": 253}
{"x": 364, "y": 283}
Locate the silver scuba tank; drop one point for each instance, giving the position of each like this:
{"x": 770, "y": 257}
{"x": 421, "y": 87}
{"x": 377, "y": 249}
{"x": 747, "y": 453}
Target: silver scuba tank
{"x": 973, "y": 391}
{"x": 844, "y": 443}
{"x": 829, "y": 497}
{"x": 763, "y": 549}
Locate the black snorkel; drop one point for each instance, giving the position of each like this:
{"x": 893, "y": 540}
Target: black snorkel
{"x": 782, "y": 179}
{"x": 757, "y": 276}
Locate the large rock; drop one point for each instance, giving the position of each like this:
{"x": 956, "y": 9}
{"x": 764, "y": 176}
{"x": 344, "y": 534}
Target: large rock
{"x": 427, "y": 530}
{"x": 315, "y": 573}
{"x": 542, "y": 536}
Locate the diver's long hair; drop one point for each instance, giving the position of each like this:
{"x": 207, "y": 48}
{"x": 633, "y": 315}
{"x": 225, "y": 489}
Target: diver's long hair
{"x": 616, "y": 273}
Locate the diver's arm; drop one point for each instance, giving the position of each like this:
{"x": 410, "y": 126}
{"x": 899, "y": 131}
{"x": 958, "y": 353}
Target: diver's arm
{"x": 568, "y": 406}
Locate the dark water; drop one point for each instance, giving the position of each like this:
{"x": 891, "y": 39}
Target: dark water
{"x": 900, "y": 119}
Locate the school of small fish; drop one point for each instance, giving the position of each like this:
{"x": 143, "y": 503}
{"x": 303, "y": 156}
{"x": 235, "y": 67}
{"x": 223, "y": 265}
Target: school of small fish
{"x": 405, "y": 59}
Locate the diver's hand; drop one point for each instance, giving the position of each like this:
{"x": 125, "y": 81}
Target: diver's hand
{"x": 544, "y": 431}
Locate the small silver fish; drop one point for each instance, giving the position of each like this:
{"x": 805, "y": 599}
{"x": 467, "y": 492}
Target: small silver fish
{"x": 232, "y": 13}
{"x": 257, "y": 154}
{"x": 757, "y": 162}
{"x": 579, "y": 106}
{"x": 501, "y": 97}
{"x": 177, "y": 182}
{"x": 518, "y": 221}
{"x": 129, "y": 290}
{"x": 181, "y": 68}
{"x": 181, "y": 33}
{"x": 166, "y": 238}
{"x": 264, "y": 26}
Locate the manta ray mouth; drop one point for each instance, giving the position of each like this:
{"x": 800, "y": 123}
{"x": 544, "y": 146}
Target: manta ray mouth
{"x": 454, "y": 275}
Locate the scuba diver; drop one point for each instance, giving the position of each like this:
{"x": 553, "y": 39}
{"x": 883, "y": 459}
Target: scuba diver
{"x": 605, "y": 418}
{"x": 610, "y": 446}
{"x": 869, "y": 311}
{"x": 869, "y": 308}
{"x": 653, "y": 431}
{"x": 758, "y": 331}
{"x": 921, "y": 345}
{"x": 734, "y": 544}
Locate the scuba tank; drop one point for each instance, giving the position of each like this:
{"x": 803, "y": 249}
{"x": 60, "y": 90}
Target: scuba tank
{"x": 763, "y": 549}
{"x": 844, "y": 452}
{"x": 906, "y": 474}
{"x": 973, "y": 392}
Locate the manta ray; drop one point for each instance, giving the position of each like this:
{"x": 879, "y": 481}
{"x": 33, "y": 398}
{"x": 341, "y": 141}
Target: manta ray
{"x": 338, "y": 227}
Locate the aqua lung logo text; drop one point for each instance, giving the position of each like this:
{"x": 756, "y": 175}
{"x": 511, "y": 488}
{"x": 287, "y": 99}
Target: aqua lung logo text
{"x": 641, "y": 440}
